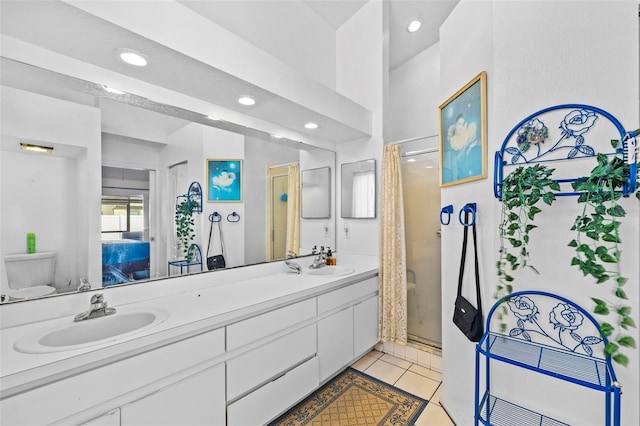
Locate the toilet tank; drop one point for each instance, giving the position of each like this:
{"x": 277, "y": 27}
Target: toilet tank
{"x": 28, "y": 270}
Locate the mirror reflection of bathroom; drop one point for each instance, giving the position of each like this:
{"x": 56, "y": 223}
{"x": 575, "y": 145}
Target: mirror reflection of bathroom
{"x": 282, "y": 195}
{"x": 421, "y": 195}
{"x": 126, "y": 252}
{"x": 316, "y": 193}
{"x": 358, "y": 190}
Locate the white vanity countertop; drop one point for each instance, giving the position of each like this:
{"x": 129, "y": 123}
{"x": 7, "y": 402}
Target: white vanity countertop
{"x": 191, "y": 313}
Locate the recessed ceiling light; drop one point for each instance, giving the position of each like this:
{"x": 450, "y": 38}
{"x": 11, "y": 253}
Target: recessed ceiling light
{"x": 278, "y": 136}
{"x": 414, "y": 26}
{"x": 246, "y": 100}
{"x": 35, "y": 148}
{"x": 212, "y": 118}
{"x": 132, "y": 57}
{"x": 112, "y": 90}
{"x": 311, "y": 125}
{"x": 411, "y": 160}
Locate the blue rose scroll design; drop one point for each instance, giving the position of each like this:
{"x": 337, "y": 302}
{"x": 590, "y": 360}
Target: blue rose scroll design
{"x": 565, "y": 318}
{"x": 534, "y": 132}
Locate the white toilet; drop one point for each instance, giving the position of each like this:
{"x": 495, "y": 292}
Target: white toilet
{"x": 30, "y": 275}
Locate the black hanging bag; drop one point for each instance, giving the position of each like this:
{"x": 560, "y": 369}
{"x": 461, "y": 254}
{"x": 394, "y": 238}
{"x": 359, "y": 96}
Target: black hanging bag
{"x": 465, "y": 316}
{"x": 217, "y": 261}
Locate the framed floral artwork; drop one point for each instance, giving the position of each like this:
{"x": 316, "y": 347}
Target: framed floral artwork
{"x": 224, "y": 180}
{"x": 463, "y": 134}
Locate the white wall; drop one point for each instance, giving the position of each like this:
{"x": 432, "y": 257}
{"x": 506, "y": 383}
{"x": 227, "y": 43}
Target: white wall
{"x": 415, "y": 95}
{"x": 361, "y": 72}
{"x": 537, "y": 54}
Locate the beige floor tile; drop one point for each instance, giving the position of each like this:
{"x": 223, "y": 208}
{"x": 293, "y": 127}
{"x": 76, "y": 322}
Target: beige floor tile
{"x": 426, "y": 372}
{"x": 384, "y": 371}
{"x": 417, "y": 385}
{"x": 434, "y": 415}
{"x": 396, "y": 361}
{"x": 376, "y": 353}
{"x": 363, "y": 363}
{"x": 435, "y": 399}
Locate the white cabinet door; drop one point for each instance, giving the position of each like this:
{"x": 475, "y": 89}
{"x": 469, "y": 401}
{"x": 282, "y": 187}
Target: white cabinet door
{"x": 365, "y": 326}
{"x": 335, "y": 342}
{"x": 196, "y": 400}
{"x": 112, "y": 418}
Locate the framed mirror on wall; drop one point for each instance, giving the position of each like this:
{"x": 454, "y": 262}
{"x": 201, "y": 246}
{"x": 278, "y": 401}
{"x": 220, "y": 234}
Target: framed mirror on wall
{"x": 316, "y": 193}
{"x": 358, "y": 190}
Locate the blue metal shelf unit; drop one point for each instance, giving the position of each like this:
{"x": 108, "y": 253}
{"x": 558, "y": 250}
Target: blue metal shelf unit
{"x": 567, "y": 132}
{"x": 547, "y": 334}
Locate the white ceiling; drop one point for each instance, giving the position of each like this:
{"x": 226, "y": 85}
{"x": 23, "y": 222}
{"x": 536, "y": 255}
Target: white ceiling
{"x": 61, "y": 28}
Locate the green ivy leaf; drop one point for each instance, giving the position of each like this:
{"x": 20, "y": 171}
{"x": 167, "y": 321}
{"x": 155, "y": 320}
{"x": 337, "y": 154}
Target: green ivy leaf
{"x": 608, "y": 258}
{"x": 627, "y": 322}
{"x": 621, "y": 294}
{"x": 627, "y": 342}
{"x": 573, "y": 243}
{"x": 606, "y": 329}
{"x": 533, "y": 211}
{"x": 601, "y": 310}
{"x": 610, "y": 348}
{"x": 616, "y": 211}
{"x": 621, "y": 359}
{"x": 548, "y": 198}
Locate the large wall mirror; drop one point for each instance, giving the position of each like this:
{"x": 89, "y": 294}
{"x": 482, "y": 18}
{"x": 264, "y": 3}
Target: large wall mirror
{"x": 358, "y": 190}
{"x": 104, "y": 200}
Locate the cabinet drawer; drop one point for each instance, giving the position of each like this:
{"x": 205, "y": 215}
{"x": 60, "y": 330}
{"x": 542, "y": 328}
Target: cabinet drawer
{"x": 346, "y": 295}
{"x": 253, "y": 368}
{"x": 255, "y": 328}
{"x": 274, "y": 398}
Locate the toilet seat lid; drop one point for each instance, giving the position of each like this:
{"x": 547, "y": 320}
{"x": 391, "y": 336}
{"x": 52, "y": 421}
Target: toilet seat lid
{"x": 31, "y": 292}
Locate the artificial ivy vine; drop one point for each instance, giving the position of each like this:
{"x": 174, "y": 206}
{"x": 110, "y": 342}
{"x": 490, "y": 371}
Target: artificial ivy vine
{"x": 184, "y": 226}
{"x": 522, "y": 190}
{"x": 597, "y": 245}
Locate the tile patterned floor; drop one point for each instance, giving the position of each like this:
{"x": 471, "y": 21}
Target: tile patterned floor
{"x": 410, "y": 377}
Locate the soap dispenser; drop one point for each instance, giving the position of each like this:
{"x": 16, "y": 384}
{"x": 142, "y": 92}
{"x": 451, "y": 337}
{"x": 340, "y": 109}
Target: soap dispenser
{"x": 331, "y": 261}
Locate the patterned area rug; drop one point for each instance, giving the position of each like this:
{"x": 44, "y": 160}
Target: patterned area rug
{"x": 355, "y": 399}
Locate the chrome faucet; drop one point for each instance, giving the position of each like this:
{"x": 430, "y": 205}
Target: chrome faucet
{"x": 318, "y": 262}
{"x": 293, "y": 265}
{"x": 98, "y": 308}
{"x": 84, "y": 285}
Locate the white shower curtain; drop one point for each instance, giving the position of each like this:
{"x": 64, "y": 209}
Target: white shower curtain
{"x": 364, "y": 187}
{"x": 393, "y": 271}
{"x": 293, "y": 210}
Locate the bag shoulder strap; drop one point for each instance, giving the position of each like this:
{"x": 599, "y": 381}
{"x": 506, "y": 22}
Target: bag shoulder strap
{"x": 463, "y": 261}
{"x": 221, "y": 239}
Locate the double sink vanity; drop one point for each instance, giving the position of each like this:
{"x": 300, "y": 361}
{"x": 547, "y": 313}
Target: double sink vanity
{"x": 231, "y": 347}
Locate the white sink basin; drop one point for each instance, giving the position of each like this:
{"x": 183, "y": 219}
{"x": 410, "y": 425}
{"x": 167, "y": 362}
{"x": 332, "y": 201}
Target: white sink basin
{"x": 67, "y": 335}
{"x": 333, "y": 271}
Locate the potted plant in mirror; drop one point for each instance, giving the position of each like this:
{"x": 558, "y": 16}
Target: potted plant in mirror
{"x": 184, "y": 226}
{"x": 597, "y": 246}
{"x": 522, "y": 193}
